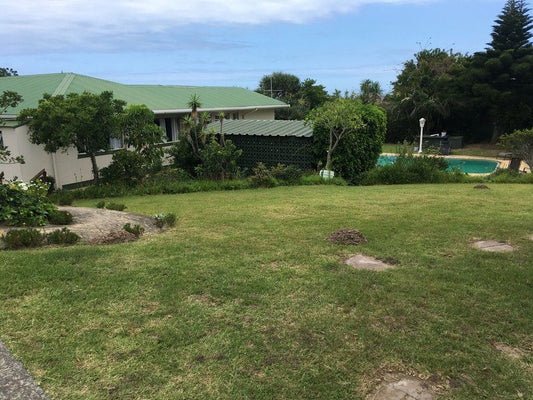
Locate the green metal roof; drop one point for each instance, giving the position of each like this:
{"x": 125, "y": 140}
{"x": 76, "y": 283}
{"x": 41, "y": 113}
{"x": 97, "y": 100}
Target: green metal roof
{"x": 159, "y": 98}
{"x": 263, "y": 128}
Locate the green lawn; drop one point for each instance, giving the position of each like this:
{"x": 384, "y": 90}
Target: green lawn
{"x": 244, "y": 299}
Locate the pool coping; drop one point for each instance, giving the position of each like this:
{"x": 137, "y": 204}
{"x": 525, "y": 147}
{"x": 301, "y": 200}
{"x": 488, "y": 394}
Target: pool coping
{"x": 502, "y": 163}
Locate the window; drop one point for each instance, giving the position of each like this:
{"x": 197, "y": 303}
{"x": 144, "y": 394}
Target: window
{"x": 170, "y": 128}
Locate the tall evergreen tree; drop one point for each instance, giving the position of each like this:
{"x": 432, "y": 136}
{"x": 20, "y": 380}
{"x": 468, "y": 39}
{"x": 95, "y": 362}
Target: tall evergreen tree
{"x": 499, "y": 81}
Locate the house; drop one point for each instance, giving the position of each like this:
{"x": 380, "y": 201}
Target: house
{"x": 169, "y": 104}
{"x": 270, "y": 142}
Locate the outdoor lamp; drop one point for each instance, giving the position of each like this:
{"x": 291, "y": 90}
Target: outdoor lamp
{"x": 422, "y": 123}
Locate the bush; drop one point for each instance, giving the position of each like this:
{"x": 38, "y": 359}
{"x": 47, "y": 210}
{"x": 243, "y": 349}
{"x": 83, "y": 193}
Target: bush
{"x": 316, "y": 179}
{"x": 520, "y": 143}
{"x": 136, "y": 229}
{"x": 127, "y": 167}
{"x": 288, "y": 174}
{"x": 58, "y": 217}
{"x": 218, "y": 161}
{"x": 359, "y": 149}
{"x": 116, "y": 206}
{"x": 262, "y": 177}
{"x": 24, "y": 204}
{"x": 62, "y": 197}
{"x": 509, "y": 176}
{"x": 100, "y": 204}
{"x": 62, "y": 236}
{"x": 162, "y": 220}
{"x": 21, "y": 238}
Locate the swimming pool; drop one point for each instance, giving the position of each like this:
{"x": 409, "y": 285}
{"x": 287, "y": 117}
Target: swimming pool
{"x": 467, "y": 165}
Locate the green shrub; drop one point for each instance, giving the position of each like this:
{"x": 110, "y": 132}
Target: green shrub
{"x": 509, "y": 176}
{"x": 288, "y": 174}
{"x": 219, "y": 161}
{"x": 58, "y": 217}
{"x": 316, "y": 179}
{"x": 136, "y": 229}
{"x": 100, "y": 204}
{"x": 22, "y": 238}
{"x": 116, "y": 206}
{"x": 162, "y": 220}
{"x": 62, "y": 236}
{"x": 359, "y": 149}
{"x": 62, "y": 197}
{"x": 127, "y": 167}
{"x": 24, "y": 204}
{"x": 262, "y": 177}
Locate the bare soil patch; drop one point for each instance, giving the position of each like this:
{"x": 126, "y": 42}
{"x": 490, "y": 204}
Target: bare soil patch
{"x": 347, "y": 236}
{"x": 510, "y": 351}
{"x": 403, "y": 387}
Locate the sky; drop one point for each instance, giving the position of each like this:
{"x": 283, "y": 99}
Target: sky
{"x": 338, "y": 43}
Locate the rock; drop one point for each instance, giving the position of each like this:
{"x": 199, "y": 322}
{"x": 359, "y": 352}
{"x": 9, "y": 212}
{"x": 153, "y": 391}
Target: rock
{"x": 492, "y": 246}
{"x": 403, "y": 388}
{"x": 360, "y": 261}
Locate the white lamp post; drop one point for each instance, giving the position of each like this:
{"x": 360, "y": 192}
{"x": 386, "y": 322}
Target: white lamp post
{"x": 422, "y": 123}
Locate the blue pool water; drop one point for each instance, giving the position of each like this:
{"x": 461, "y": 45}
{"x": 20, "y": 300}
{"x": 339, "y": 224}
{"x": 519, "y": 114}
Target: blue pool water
{"x": 466, "y": 165}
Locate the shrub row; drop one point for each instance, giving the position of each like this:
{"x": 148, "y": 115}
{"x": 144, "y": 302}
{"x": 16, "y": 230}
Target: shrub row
{"x": 31, "y": 237}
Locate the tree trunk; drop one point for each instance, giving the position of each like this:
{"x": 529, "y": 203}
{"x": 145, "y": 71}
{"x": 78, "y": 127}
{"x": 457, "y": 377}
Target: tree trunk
{"x": 496, "y": 133}
{"x": 328, "y": 160}
{"x": 96, "y": 179}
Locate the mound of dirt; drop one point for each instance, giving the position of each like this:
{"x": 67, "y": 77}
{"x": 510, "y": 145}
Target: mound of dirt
{"x": 114, "y": 237}
{"x": 347, "y": 236}
{"x": 481, "y": 187}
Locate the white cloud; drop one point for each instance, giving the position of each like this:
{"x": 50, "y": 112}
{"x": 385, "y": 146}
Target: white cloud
{"x": 99, "y": 24}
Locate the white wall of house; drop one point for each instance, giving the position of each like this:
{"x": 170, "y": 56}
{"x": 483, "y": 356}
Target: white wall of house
{"x": 68, "y": 167}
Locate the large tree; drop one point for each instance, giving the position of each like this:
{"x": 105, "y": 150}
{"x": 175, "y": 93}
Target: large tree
{"x": 422, "y": 89}
{"x": 499, "y": 80}
{"x": 301, "y": 96}
{"x": 6, "y": 71}
{"x": 86, "y": 121}
{"x": 370, "y": 92}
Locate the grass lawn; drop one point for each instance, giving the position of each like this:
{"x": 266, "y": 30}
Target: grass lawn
{"x": 245, "y": 299}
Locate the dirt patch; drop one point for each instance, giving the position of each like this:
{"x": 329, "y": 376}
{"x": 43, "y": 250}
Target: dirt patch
{"x": 360, "y": 261}
{"x": 347, "y": 236}
{"x": 403, "y": 387}
{"x": 481, "y": 187}
{"x": 510, "y": 351}
{"x": 492, "y": 246}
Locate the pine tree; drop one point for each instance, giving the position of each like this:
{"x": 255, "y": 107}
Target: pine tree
{"x": 512, "y": 29}
{"x": 500, "y": 79}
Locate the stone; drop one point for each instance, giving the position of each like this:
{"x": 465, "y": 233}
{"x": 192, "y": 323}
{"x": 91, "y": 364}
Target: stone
{"x": 403, "y": 388}
{"x": 15, "y": 382}
{"x": 360, "y": 261}
{"x": 492, "y": 246}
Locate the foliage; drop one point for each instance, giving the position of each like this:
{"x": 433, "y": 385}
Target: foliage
{"x": 422, "y": 89}
{"x": 350, "y": 134}
{"x": 6, "y": 71}
{"x": 59, "y": 217}
{"x": 288, "y": 174}
{"x": 520, "y": 143}
{"x": 370, "y": 92}
{"x": 262, "y": 177}
{"x": 21, "y": 238}
{"x": 24, "y": 204}
{"x": 316, "y": 179}
{"x": 509, "y": 176}
{"x": 218, "y": 161}
{"x": 168, "y": 219}
{"x": 301, "y": 96}
{"x": 8, "y": 99}
{"x": 136, "y": 229}
{"x": 139, "y": 132}
{"x": 62, "y": 236}
{"x": 63, "y": 197}
{"x": 116, "y": 206}
{"x": 126, "y": 166}
{"x": 86, "y": 121}
{"x": 100, "y": 204}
